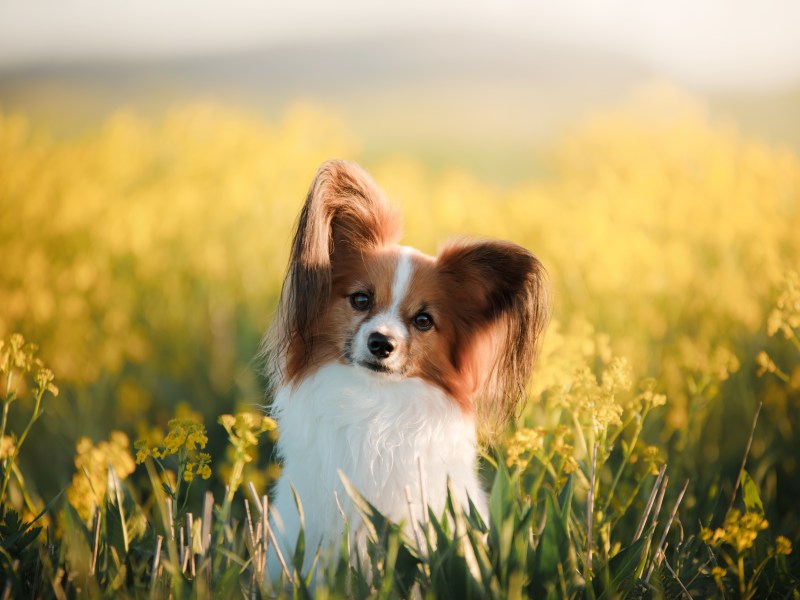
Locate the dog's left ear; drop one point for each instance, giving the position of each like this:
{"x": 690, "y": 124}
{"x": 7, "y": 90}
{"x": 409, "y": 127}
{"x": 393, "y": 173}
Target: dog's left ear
{"x": 502, "y": 287}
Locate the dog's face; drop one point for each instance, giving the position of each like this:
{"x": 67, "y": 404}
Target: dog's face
{"x": 386, "y": 327}
{"x": 465, "y": 320}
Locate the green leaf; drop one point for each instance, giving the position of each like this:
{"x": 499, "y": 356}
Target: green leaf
{"x": 77, "y": 545}
{"x": 750, "y": 495}
{"x": 381, "y": 532}
{"x": 554, "y": 568}
{"x": 451, "y": 576}
{"x": 474, "y": 517}
{"x": 375, "y": 523}
{"x": 553, "y": 549}
{"x": 501, "y": 499}
{"x": 300, "y": 546}
{"x": 565, "y": 501}
{"x": 618, "y": 575}
{"x": 502, "y": 521}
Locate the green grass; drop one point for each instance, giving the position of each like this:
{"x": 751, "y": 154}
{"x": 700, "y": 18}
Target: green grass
{"x": 557, "y": 528}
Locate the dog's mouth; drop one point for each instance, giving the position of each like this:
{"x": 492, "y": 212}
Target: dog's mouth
{"x": 375, "y": 367}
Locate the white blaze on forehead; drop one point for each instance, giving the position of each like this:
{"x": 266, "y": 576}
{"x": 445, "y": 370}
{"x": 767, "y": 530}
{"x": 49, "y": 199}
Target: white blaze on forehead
{"x": 402, "y": 277}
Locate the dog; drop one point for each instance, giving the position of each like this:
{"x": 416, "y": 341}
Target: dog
{"x": 385, "y": 364}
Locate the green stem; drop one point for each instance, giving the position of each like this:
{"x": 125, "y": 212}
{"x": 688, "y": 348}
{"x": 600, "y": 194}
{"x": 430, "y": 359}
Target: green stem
{"x": 6, "y": 403}
{"x": 186, "y": 497}
{"x": 795, "y": 340}
{"x": 236, "y": 478}
{"x": 20, "y": 441}
{"x": 625, "y": 459}
{"x": 25, "y": 496}
{"x": 10, "y": 375}
{"x": 8, "y": 398}
{"x": 34, "y": 417}
{"x": 579, "y": 431}
{"x": 781, "y": 375}
{"x": 742, "y": 586}
{"x": 615, "y": 435}
{"x": 176, "y": 518}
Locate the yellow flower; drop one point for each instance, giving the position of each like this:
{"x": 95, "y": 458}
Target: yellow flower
{"x": 739, "y": 530}
{"x": 7, "y": 447}
{"x": 245, "y": 428}
{"x": 522, "y": 445}
{"x": 783, "y": 545}
{"x": 89, "y": 482}
{"x": 44, "y": 379}
{"x": 718, "y": 573}
{"x": 142, "y": 451}
{"x": 765, "y": 364}
{"x": 184, "y": 434}
{"x": 17, "y": 354}
{"x": 184, "y": 438}
{"x": 199, "y": 467}
{"x": 785, "y": 317}
{"x": 227, "y": 421}
{"x": 16, "y": 343}
{"x": 570, "y": 464}
{"x": 617, "y": 376}
{"x": 598, "y": 405}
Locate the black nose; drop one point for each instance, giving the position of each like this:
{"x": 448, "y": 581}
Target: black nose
{"x": 380, "y": 345}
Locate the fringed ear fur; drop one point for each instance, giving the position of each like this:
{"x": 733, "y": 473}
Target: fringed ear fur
{"x": 500, "y": 288}
{"x": 345, "y": 211}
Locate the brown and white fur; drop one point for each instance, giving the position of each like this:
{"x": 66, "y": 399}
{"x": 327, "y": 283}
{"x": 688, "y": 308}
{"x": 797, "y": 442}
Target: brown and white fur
{"x": 381, "y": 357}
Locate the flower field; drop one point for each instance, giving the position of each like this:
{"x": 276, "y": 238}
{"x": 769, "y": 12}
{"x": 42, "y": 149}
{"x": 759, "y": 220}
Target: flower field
{"x": 140, "y": 262}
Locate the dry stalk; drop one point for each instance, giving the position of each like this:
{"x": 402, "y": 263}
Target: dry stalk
{"x": 650, "y": 500}
{"x": 415, "y": 529}
{"x": 208, "y": 506}
{"x": 265, "y": 531}
{"x": 96, "y": 542}
{"x": 423, "y": 496}
{"x": 182, "y": 551}
{"x": 170, "y": 518}
{"x": 190, "y": 543}
{"x": 156, "y": 561}
{"x": 656, "y": 556}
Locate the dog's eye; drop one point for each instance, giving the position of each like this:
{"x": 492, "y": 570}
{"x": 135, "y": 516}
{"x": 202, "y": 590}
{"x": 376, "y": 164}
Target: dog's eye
{"x": 360, "y": 301}
{"x": 423, "y": 321}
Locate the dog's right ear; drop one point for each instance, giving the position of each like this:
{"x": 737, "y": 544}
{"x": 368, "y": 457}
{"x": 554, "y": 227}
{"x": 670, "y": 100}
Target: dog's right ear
{"x": 345, "y": 212}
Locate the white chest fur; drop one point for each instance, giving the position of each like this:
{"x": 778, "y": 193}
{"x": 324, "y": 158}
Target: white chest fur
{"x": 375, "y": 430}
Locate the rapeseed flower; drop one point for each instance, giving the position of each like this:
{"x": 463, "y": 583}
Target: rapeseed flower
{"x": 739, "y": 530}
{"x": 92, "y": 462}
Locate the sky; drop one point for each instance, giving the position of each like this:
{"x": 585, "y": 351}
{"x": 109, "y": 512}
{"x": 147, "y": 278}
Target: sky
{"x": 715, "y": 43}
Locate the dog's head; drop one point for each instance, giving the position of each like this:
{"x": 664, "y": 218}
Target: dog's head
{"x": 467, "y": 320}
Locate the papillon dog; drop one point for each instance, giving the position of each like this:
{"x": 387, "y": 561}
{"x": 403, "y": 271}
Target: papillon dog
{"x": 386, "y": 364}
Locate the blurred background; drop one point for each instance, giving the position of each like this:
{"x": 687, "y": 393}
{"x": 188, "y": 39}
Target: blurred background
{"x": 484, "y": 85}
{"x": 153, "y": 157}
